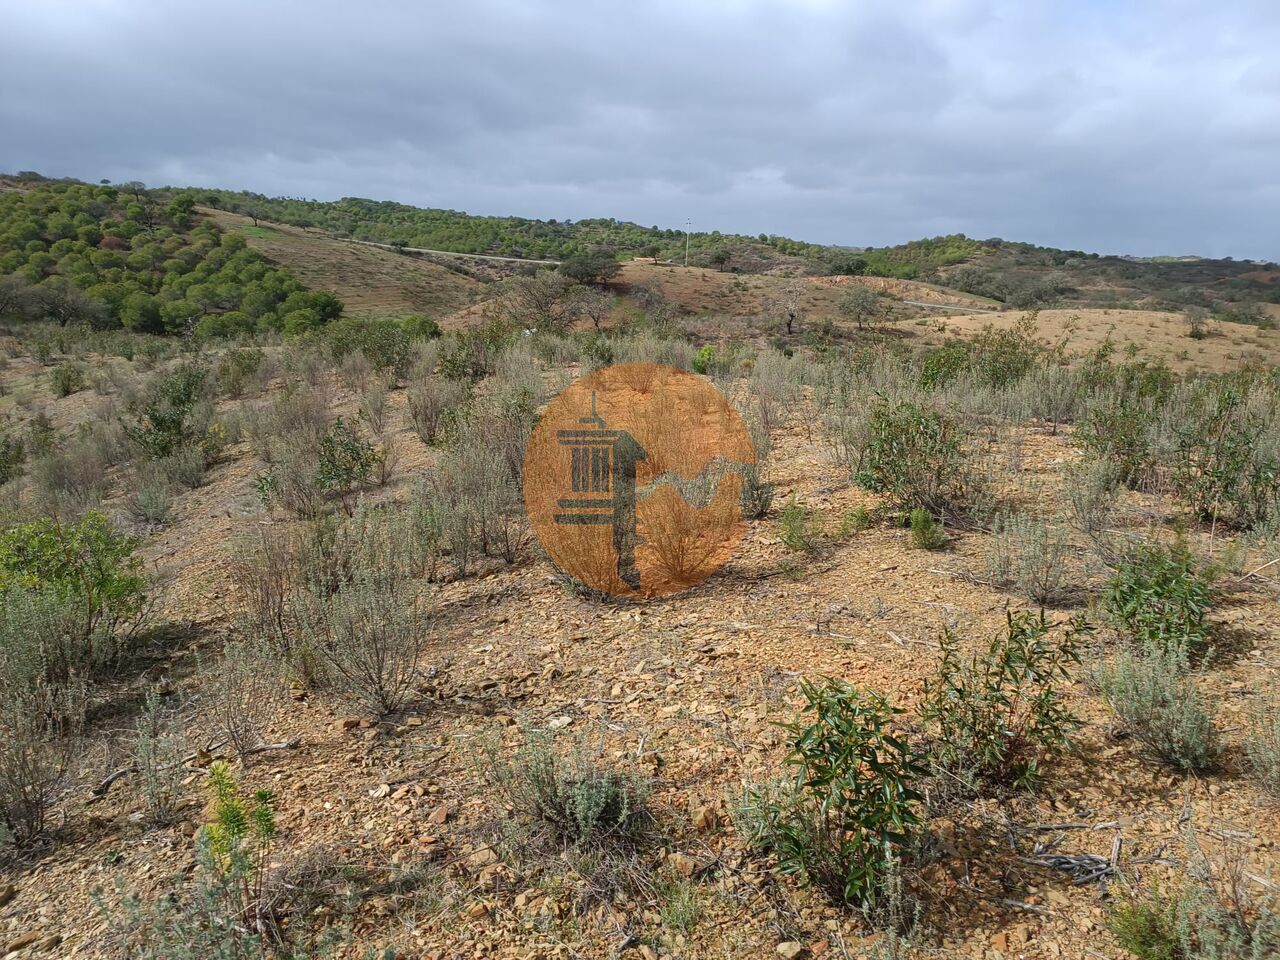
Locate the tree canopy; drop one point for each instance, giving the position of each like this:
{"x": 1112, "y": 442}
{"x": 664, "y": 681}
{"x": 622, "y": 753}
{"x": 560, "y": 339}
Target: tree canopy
{"x": 140, "y": 259}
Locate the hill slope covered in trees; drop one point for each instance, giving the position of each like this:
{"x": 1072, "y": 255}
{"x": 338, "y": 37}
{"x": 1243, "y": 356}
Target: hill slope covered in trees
{"x": 140, "y": 259}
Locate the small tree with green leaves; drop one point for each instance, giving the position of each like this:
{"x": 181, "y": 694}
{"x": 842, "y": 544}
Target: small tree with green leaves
{"x": 861, "y": 306}
{"x": 345, "y": 463}
{"x": 852, "y": 809}
{"x": 999, "y": 715}
{"x": 1159, "y": 595}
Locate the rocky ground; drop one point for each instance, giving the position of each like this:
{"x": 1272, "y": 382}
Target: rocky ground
{"x": 687, "y": 690}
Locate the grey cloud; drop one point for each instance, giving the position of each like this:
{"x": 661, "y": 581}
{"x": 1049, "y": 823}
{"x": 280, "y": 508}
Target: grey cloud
{"x": 1146, "y": 128}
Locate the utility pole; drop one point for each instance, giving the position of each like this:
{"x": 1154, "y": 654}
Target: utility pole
{"x": 687, "y": 224}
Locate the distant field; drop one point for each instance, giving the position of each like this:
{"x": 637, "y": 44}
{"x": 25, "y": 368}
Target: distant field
{"x": 370, "y": 281}
{"x": 1154, "y": 334}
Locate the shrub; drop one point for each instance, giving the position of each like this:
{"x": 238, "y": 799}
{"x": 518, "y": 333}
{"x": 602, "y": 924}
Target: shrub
{"x": 236, "y": 369}
{"x": 926, "y": 532}
{"x": 420, "y": 327}
{"x": 1092, "y": 488}
{"x": 571, "y": 796}
{"x": 1221, "y": 468}
{"x": 88, "y": 570}
{"x": 1030, "y": 555}
{"x": 1153, "y": 695}
{"x": 150, "y": 501}
{"x": 68, "y": 378}
{"x": 703, "y": 359}
{"x": 242, "y": 693}
{"x": 432, "y": 401}
{"x": 1262, "y": 747}
{"x": 383, "y": 342}
{"x": 230, "y": 913}
{"x": 373, "y": 406}
{"x": 71, "y": 480}
{"x": 185, "y": 466}
{"x": 477, "y": 501}
{"x": 344, "y": 463}
{"x": 1213, "y": 911}
{"x": 852, "y": 808}
{"x": 13, "y": 455}
{"x": 38, "y": 727}
{"x": 1118, "y": 432}
{"x": 157, "y": 755}
{"x": 756, "y": 493}
{"x": 165, "y": 423}
{"x": 368, "y": 637}
{"x": 1158, "y": 596}
{"x": 999, "y": 715}
{"x": 1147, "y": 927}
{"x": 916, "y": 456}
{"x": 796, "y": 527}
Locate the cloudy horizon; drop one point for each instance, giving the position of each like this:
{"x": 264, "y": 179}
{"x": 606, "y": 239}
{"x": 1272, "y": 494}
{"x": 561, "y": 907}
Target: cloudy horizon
{"x": 1142, "y": 128}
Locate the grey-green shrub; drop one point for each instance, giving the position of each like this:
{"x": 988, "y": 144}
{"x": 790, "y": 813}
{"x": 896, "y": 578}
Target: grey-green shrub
{"x": 433, "y": 401}
{"x": 1031, "y": 556}
{"x": 368, "y": 637}
{"x": 569, "y": 794}
{"x": 240, "y": 693}
{"x": 1262, "y": 746}
{"x": 157, "y": 757}
{"x": 1153, "y": 694}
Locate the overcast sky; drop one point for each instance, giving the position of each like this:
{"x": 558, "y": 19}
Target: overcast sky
{"x": 1143, "y": 127}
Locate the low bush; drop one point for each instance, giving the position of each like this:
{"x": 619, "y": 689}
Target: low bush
{"x": 167, "y": 418}
{"x": 241, "y": 693}
{"x": 13, "y": 456}
{"x": 1262, "y": 747}
{"x": 1212, "y": 911}
{"x": 1117, "y": 431}
{"x": 39, "y": 726}
{"x": 240, "y": 370}
{"x": 368, "y": 637}
{"x": 67, "y": 378}
{"x": 570, "y": 796}
{"x": 344, "y": 463}
{"x": 999, "y": 715}
{"x": 1030, "y": 555}
{"x": 383, "y": 342}
{"x": 231, "y": 911}
{"x": 917, "y": 457}
{"x": 1153, "y": 694}
{"x": 1159, "y": 596}
{"x": 797, "y": 528}
{"x": 852, "y": 810}
{"x": 1224, "y": 466}
{"x": 926, "y": 532}
{"x": 434, "y": 402}
{"x": 151, "y": 500}
{"x": 157, "y": 756}
{"x": 87, "y": 571}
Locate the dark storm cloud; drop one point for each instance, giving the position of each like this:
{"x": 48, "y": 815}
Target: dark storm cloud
{"x": 1126, "y": 127}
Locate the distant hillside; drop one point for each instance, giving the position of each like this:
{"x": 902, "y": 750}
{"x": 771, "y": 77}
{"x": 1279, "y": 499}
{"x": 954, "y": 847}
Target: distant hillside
{"x": 398, "y": 223}
{"x": 139, "y": 259}
{"x": 1014, "y": 274}
{"x": 1025, "y": 275}
{"x": 1018, "y": 274}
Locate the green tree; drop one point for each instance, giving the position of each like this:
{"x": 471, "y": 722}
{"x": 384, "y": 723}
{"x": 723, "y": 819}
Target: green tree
{"x": 595, "y": 266}
{"x": 861, "y": 306}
